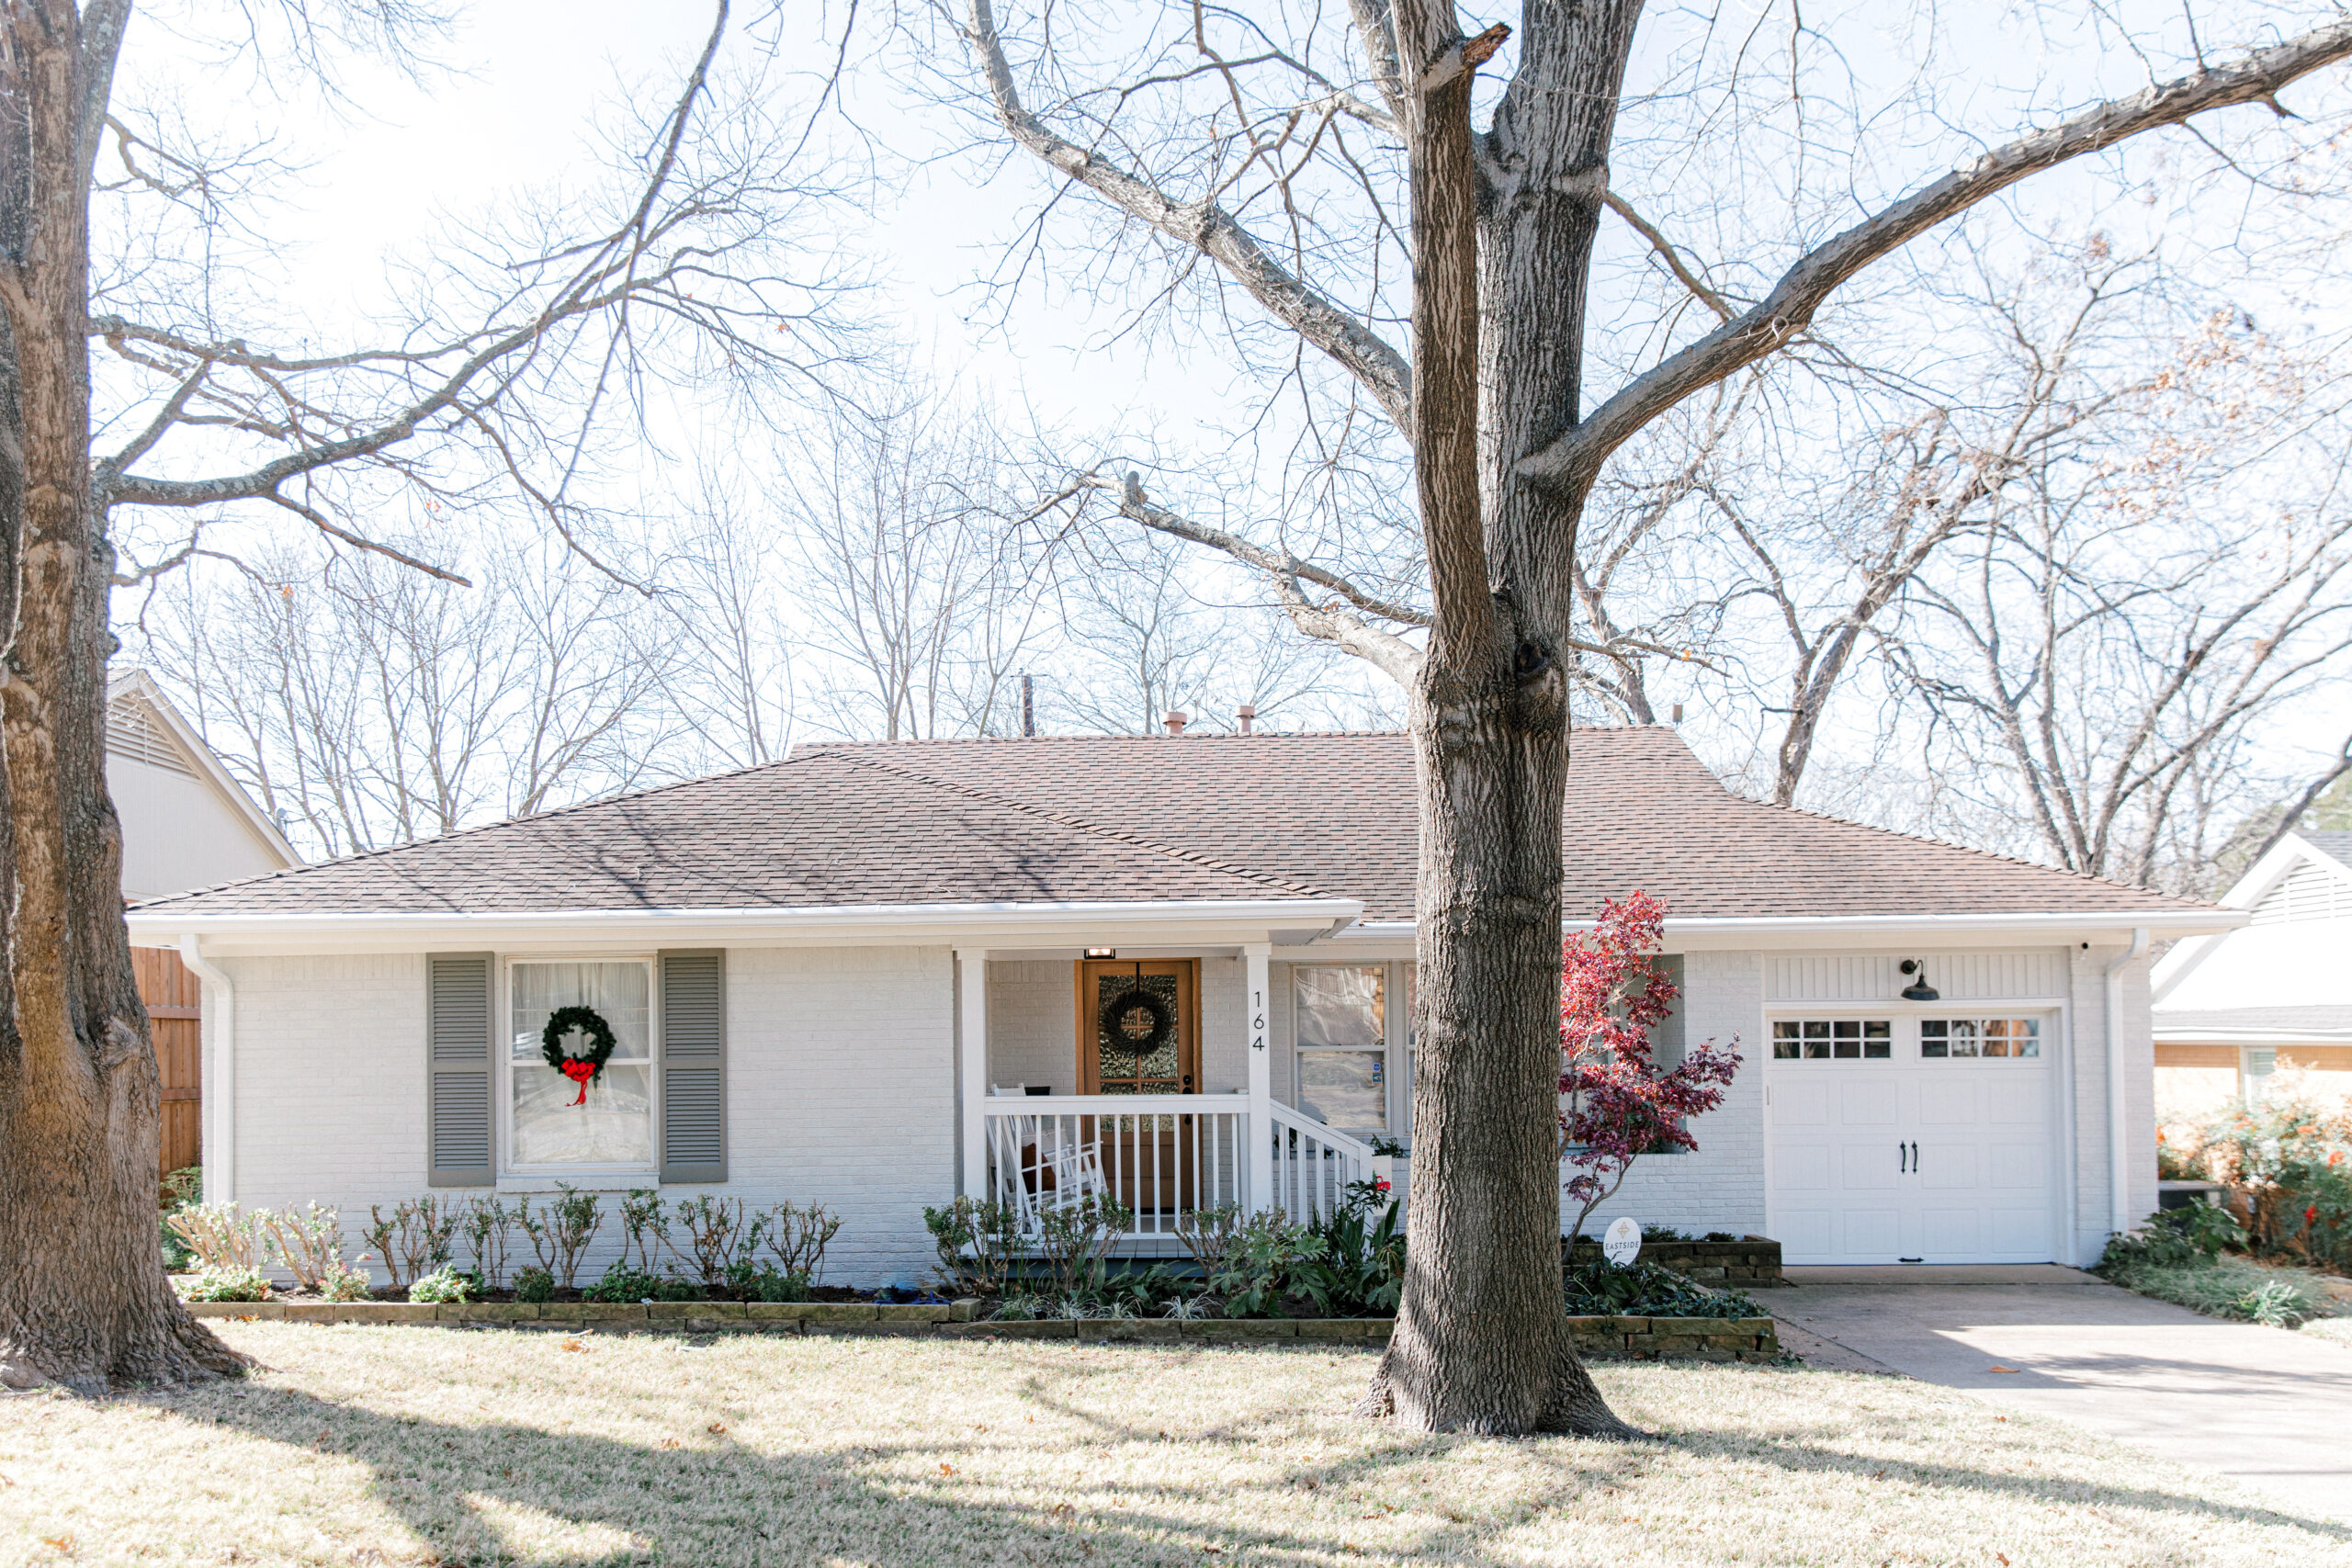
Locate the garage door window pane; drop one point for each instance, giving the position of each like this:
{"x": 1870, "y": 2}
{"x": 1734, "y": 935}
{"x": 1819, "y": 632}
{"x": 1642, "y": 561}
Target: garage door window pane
{"x": 1949, "y": 1038}
{"x": 1832, "y": 1039}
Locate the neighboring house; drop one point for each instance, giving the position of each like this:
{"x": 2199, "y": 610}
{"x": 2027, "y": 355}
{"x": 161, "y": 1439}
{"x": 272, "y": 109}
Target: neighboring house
{"x": 2233, "y": 1008}
{"x": 186, "y": 824}
{"x": 1179, "y": 969}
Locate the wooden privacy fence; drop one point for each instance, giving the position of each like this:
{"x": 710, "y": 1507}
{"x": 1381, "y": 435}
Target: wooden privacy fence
{"x": 174, "y": 997}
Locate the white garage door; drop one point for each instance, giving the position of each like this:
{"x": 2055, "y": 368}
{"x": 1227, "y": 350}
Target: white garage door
{"x": 1912, "y": 1140}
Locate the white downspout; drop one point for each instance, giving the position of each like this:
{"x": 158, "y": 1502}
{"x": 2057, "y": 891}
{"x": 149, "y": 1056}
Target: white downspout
{"x": 220, "y": 1069}
{"x": 2119, "y": 1157}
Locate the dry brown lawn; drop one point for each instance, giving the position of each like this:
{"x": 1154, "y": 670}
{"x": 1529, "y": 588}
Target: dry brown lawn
{"x": 360, "y": 1445}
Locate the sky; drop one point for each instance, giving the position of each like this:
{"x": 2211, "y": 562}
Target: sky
{"x": 400, "y": 159}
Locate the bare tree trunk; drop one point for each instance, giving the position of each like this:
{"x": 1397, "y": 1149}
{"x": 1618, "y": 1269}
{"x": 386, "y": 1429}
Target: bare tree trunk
{"x": 79, "y": 1095}
{"x": 1482, "y": 1341}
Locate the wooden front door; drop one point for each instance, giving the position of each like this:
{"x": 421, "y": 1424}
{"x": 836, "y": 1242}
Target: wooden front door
{"x": 1138, "y": 1033}
{"x": 1121, "y": 1049}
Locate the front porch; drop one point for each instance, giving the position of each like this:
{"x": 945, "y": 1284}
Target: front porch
{"x": 1031, "y": 1044}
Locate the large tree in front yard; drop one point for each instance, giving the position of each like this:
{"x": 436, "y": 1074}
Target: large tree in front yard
{"x": 492, "y": 384}
{"x": 1505, "y": 447}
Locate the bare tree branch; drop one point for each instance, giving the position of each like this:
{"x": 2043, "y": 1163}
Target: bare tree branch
{"x": 1670, "y": 255}
{"x": 1567, "y": 464}
{"x": 1204, "y": 225}
{"x": 1341, "y": 626}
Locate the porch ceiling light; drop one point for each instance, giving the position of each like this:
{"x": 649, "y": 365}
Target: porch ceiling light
{"x": 1102, "y": 953}
{"x": 1917, "y": 990}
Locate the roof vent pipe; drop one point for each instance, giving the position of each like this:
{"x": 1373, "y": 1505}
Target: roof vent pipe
{"x": 1175, "y": 723}
{"x": 1245, "y": 713}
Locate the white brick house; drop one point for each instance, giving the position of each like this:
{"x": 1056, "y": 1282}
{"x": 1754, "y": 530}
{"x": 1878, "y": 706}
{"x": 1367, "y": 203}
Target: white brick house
{"x": 874, "y": 976}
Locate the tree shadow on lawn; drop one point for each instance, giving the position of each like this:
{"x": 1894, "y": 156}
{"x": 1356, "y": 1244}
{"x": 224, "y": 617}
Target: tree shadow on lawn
{"x": 718, "y": 1503}
{"x": 474, "y": 1494}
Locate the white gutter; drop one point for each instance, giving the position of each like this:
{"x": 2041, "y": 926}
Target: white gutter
{"x": 220, "y": 1073}
{"x": 172, "y": 918}
{"x": 2119, "y": 1157}
{"x": 2201, "y": 920}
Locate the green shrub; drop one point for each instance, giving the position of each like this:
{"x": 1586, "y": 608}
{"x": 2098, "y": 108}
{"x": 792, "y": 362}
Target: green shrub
{"x": 1075, "y": 1238}
{"x": 534, "y": 1285}
{"x": 183, "y": 1189}
{"x": 2288, "y": 1158}
{"x": 1359, "y": 1270}
{"x": 2173, "y": 1238}
{"x": 1647, "y": 1290}
{"x": 230, "y": 1284}
{"x": 2232, "y": 1288}
{"x": 977, "y": 1244}
{"x": 559, "y": 1232}
{"x": 443, "y": 1285}
{"x": 350, "y": 1285}
{"x": 626, "y": 1282}
{"x": 1260, "y": 1257}
{"x": 766, "y": 1283}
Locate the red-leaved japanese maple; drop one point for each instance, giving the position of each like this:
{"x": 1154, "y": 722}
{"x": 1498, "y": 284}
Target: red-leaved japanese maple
{"x": 1618, "y": 1104}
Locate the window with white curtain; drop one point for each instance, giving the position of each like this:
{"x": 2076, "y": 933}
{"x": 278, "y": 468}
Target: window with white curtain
{"x": 549, "y": 1124}
{"x": 1341, "y": 1045}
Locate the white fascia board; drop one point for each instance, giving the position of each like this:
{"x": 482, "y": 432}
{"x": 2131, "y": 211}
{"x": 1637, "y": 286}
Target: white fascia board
{"x": 977, "y": 926}
{"x": 2181, "y": 1034}
{"x": 1883, "y": 931}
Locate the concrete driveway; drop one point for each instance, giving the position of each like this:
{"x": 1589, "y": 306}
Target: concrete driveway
{"x": 2270, "y": 1407}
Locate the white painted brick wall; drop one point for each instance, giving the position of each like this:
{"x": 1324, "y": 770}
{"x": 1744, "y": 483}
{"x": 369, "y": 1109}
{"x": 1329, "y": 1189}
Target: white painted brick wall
{"x": 1032, "y": 1027}
{"x": 330, "y": 1086}
{"x": 2093, "y": 1186}
{"x": 1719, "y": 1186}
{"x": 840, "y": 1090}
{"x": 1225, "y": 1044}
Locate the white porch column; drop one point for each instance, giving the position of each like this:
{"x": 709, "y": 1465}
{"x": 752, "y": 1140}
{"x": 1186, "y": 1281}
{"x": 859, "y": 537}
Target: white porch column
{"x": 972, "y": 1065}
{"x": 1261, "y": 1133}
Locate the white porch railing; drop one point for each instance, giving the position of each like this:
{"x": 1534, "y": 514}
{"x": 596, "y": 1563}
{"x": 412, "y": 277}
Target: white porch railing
{"x": 1165, "y": 1156}
{"x": 1313, "y": 1165}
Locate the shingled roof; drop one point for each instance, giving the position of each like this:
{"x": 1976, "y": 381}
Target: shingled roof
{"x": 1135, "y": 819}
{"x": 821, "y": 829}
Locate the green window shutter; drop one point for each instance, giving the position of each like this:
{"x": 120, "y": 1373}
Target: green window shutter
{"x": 457, "y": 1047}
{"x": 694, "y": 1066}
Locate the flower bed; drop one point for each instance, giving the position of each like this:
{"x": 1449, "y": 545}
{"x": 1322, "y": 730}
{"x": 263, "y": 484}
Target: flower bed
{"x": 1733, "y": 1262}
{"x": 1641, "y": 1338}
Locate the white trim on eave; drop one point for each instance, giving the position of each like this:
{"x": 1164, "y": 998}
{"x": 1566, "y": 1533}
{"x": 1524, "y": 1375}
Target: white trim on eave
{"x": 973, "y": 925}
{"x": 1880, "y": 931}
{"x": 2260, "y": 879}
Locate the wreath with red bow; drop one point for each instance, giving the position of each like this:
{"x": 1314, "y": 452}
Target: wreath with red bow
{"x": 581, "y": 1070}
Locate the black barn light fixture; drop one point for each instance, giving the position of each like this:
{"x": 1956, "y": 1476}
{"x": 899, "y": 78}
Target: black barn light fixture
{"x": 1917, "y": 990}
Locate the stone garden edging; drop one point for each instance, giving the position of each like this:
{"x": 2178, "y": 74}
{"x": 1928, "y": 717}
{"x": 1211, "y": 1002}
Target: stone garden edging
{"x": 1641, "y": 1338}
